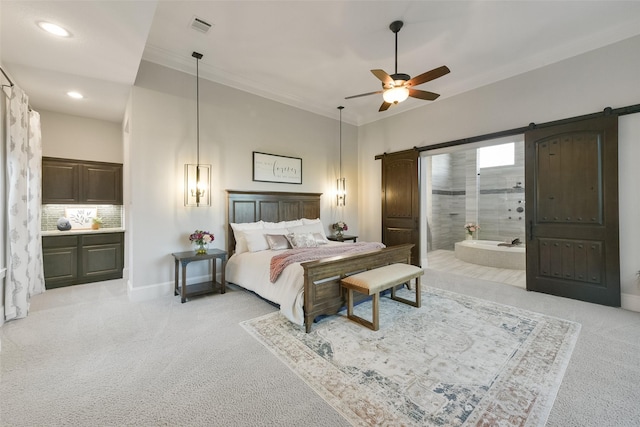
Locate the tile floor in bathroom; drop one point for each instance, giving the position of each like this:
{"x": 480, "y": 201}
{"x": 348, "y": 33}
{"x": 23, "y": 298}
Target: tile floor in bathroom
{"x": 444, "y": 260}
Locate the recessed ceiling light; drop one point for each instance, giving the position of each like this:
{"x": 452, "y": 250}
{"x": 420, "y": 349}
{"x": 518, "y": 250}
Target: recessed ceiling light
{"x": 54, "y": 29}
{"x": 75, "y": 95}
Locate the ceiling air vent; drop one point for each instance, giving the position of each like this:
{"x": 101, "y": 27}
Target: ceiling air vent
{"x": 200, "y": 25}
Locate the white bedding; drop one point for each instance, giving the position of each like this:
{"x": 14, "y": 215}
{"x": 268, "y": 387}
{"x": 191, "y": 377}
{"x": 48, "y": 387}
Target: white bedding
{"x": 251, "y": 271}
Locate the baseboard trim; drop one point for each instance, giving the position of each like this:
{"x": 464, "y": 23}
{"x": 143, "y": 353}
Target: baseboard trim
{"x": 630, "y": 302}
{"x": 159, "y": 290}
{"x": 3, "y": 273}
{"x": 149, "y": 292}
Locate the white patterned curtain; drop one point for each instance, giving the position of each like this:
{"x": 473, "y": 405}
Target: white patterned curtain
{"x": 25, "y": 275}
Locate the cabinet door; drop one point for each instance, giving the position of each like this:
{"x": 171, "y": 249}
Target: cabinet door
{"x": 60, "y": 182}
{"x": 102, "y": 257}
{"x": 101, "y": 184}
{"x": 60, "y": 261}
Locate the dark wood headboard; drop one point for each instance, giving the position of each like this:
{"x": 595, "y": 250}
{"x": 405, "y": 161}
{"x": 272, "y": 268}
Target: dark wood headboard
{"x": 269, "y": 206}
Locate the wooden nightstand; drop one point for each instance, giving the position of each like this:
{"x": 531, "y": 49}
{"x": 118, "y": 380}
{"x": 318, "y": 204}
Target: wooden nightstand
{"x": 184, "y": 258}
{"x": 343, "y": 238}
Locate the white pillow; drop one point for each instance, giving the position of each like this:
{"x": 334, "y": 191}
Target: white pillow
{"x": 283, "y": 224}
{"x": 307, "y": 221}
{"x": 238, "y": 233}
{"x": 280, "y": 224}
{"x": 302, "y": 240}
{"x": 257, "y": 240}
{"x": 315, "y": 227}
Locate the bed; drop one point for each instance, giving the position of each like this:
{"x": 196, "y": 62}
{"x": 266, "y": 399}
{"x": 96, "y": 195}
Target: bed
{"x": 304, "y": 290}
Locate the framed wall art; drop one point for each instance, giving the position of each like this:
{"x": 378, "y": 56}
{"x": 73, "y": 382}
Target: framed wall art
{"x": 274, "y": 168}
{"x": 81, "y": 218}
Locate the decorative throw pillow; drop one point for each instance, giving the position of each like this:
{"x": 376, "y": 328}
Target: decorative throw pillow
{"x": 320, "y": 239}
{"x": 302, "y": 240}
{"x": 315, "y": 227}
{"x": 277, "y": 242}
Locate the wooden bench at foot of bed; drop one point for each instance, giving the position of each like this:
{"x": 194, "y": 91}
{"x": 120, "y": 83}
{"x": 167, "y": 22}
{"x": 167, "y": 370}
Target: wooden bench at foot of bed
{"x": 380, "y": 279}
{"x": 323, "y": 294}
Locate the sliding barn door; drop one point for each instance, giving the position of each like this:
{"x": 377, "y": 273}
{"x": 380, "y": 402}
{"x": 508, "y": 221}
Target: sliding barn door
{"x": 571, "y": 181}
{"x": 401, "y": 201}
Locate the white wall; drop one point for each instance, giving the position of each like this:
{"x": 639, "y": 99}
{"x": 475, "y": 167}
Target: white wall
{"x": 233, "y": 124}
{"x": 629, "y": 205}
{"x": 81, "y": 138}
{"x": 580, "y": 85}
{"x": 3, "y": 197}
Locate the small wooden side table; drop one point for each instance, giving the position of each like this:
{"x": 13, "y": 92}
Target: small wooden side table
{"x": 184, "y": 258}
{"x": 343, "y": 238}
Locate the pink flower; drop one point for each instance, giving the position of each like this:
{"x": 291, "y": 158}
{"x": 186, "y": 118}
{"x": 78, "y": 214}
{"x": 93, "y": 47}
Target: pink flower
{"x": 471, "y": 227}
{"x": 340, "y": 226}
{"x": 201, "y": 237}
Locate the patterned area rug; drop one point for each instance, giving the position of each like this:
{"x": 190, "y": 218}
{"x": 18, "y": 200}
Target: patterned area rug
{"x": 456, "y": 361}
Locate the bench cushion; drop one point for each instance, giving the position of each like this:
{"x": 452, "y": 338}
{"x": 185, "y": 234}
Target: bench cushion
{"x": 382, "y": 278}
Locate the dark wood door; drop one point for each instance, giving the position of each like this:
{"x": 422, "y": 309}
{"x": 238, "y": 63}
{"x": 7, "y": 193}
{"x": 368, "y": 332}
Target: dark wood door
{"x": 571, "y": 181}
{"x": 401, "y": 201}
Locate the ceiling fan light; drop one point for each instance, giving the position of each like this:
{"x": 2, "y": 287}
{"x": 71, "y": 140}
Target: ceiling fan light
{"x": 395, "y": 95}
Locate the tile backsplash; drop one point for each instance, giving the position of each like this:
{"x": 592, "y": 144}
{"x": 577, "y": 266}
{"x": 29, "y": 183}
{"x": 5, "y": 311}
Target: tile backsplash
{"x": 111, "y": 215}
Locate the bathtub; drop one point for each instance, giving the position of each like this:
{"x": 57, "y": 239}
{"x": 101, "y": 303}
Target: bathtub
{"x": 487, "y": 252}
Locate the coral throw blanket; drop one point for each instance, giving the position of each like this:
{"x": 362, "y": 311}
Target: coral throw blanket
{"x": 281, "y": 261}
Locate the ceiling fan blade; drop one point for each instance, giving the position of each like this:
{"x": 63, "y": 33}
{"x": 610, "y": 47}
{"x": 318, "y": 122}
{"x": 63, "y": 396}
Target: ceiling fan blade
{"x": 383, "y": 76}
{"x": 428, "y": 76}
{"x": 364, "y": 94}
{"x": 422, "y": 94}
{"x": 385, "y": 106}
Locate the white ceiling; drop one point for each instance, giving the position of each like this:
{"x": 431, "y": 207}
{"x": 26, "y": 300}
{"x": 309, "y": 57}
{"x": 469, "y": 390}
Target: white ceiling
{"x": 308, "y": 54}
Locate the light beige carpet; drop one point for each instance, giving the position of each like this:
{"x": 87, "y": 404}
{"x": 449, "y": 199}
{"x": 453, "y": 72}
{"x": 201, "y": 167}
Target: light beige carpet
{"x": 457, "y": 360}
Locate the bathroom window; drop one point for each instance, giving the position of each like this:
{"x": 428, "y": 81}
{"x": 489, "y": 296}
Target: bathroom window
{"x": 496, "y": 155}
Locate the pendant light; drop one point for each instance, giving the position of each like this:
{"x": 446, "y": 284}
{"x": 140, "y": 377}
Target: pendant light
{"x": 197, "y": 177}
{"x": 341, "y": 187}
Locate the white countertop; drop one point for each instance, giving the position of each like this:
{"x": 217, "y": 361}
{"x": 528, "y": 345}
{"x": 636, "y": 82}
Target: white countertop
{"x": 84, "y": 231}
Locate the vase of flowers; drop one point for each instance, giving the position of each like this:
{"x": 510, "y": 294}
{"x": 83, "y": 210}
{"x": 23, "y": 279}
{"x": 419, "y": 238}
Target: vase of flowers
{"x": 340, "y": 227}
{"x": 471, "y": 228}
{"x": 201, "y": 239}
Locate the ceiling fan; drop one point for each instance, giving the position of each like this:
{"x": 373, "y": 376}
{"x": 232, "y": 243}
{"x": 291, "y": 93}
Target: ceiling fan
{"x": 398, "y": 86}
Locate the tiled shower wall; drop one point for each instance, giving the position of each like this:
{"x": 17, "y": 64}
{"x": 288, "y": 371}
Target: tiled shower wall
{"x": 460, "y": 194}
{"x": 501, "y": 196}
{"x": 111, "y": 215}
{"x": 447, "y": 207}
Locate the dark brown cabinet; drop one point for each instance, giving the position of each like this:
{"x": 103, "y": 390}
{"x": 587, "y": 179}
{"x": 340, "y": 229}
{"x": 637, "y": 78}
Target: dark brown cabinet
{"x": 66, "y": 181}
{"x": 60, "y": 260}
{"x": 60, "y": 181}
{"x": 83, "y": 258}
{"x": 101, "y": 257}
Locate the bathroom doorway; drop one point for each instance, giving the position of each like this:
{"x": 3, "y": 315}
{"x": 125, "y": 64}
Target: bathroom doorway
{"x": 482, "y": 185}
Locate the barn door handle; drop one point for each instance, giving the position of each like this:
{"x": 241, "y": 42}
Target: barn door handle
{"x": 530, "y": 230}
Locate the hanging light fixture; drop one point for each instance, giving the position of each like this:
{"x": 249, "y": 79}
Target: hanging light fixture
{"x": 197, "y": 177}
{"x": 341, "y": 193}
